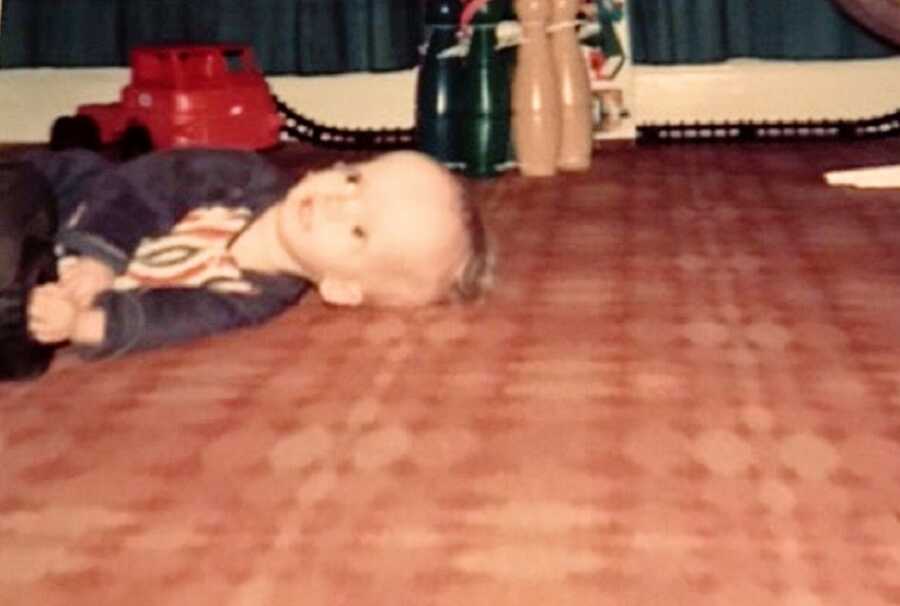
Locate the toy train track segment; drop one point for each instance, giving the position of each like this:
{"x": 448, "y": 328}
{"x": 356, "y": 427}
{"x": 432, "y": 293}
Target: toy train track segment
{"x": 887, "y": 125}
{"x": 299, "y": 127}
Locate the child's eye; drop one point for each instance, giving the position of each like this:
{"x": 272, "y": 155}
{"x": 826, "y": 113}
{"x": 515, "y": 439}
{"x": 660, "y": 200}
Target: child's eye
{"x": 359, "y": 232}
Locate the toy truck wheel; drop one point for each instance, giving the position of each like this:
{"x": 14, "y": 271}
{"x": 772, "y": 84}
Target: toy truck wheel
{"x": 135, "y": 141}
{"x": 77, "y": 131}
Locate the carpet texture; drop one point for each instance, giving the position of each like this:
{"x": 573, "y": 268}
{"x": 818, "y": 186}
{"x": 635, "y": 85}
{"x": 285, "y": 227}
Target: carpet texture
{"x": 685, "y": 389}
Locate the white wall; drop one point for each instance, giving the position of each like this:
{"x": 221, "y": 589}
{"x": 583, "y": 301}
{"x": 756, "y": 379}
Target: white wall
{"x": 744, "y": 89}
{"x": 768, "y": 90}
{"x": 30, "y": 99}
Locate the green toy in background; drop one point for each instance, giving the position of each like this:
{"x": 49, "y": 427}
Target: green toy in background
{"x": 439, "y": 98}
{"x": 463, "y": 87}
{"x": 486, "y": 91}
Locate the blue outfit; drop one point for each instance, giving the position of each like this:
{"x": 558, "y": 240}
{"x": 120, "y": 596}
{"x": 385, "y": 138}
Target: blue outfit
{"x": 106, "y": 210}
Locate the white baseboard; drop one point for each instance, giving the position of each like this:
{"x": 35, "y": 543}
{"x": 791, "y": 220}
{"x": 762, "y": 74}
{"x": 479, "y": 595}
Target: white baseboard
{"x": 738, "y": 90}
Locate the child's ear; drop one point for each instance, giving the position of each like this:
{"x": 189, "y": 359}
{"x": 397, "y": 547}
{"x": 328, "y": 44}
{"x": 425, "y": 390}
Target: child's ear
{"x": 341, "y": 292}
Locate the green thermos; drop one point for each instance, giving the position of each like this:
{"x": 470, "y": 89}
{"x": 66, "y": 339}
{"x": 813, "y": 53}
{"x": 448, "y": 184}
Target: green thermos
{"x": 439, "y": 88}
{"x": 486, "y": 95}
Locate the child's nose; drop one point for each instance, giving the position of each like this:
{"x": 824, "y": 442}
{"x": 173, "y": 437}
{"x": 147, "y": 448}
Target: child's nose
{"x": 341, "y": 207}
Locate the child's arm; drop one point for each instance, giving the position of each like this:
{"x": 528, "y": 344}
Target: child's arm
{"x": 127, "y": 321}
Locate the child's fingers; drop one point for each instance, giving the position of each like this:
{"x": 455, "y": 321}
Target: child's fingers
{"x": 40, "y": 295}
{"x": 71, "y": 287}
{"x": 48, "y": 335}
{"x": 82, "y": 292}
{"x": 71, "y": 277}
{"x": 51, "y": 314}
{"x": 45, "y": 331}
{"x": 84, "y": 280}
{"x": 48, "y": 301}
{"x": 65, "y": 270}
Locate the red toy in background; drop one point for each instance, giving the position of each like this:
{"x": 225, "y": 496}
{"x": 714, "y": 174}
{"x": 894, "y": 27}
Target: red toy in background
{"x": 210, "y": 95}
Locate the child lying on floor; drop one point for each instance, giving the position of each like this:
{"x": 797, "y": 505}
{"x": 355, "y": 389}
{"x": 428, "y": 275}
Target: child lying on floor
{"x": 180, "y": 244}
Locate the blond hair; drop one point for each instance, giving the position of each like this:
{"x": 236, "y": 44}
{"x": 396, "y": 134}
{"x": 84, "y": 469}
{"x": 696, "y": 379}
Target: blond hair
{"x": 477, "y": 275}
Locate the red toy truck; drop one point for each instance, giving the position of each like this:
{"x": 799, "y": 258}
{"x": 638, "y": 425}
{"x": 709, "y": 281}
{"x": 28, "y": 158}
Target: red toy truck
{"x": 211, "y": 95}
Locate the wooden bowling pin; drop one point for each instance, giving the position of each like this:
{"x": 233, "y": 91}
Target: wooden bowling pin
{"x": 576, "y": 131}
{"x": 535, "y": 93}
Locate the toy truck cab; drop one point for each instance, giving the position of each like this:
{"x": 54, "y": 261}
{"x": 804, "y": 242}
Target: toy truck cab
{"x": 192, "y": 96}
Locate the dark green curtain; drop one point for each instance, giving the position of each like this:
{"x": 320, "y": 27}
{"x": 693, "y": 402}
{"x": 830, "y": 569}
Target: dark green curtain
{"x": 289, "y": 36}
{"x": 706, "y": 31}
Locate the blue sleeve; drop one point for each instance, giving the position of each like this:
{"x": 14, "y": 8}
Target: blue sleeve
{"x": 147, "y": 319}
{"x": 69, "y": 174}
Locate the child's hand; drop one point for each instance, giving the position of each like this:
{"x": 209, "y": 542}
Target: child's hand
{"x": 84, "y": 278}
{"x": 52, "y": 312}
{"x": 55, "y": 316}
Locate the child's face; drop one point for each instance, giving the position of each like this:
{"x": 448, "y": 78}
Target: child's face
{"x": 388, "y": 231}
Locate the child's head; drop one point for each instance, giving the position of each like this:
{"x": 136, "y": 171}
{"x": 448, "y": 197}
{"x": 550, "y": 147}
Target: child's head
{"x": 396, "y": 231}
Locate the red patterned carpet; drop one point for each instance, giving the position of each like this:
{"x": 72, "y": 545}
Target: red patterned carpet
{"x": 685, "y": 390}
